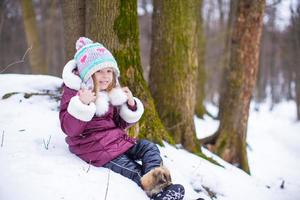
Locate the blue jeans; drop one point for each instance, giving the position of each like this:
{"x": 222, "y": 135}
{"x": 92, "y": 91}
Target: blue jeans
{"x": 126, "y": 164}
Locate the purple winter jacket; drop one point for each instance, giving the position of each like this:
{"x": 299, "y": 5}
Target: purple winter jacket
{"x": 96, "y": 132}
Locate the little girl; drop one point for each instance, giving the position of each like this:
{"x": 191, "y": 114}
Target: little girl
{"x": 94, "y": 113}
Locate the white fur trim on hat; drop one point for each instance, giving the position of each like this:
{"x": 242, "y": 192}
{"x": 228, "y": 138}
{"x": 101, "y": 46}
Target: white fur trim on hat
{"x": 117, "y": 97}
{"x": 102, "y": 103}
{"x": 70, "y": 79}
{"x": 101, "y": 66}
{"x": 81, "y": 111}
{"x": 132, "y": 116}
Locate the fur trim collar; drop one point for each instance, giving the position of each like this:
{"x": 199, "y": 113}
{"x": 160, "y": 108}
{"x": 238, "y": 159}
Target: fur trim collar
{"x": 116, "y": 96}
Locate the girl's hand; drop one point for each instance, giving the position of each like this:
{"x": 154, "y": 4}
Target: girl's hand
{"x": 131, "y": 101}
{"x": 86, "y": 96}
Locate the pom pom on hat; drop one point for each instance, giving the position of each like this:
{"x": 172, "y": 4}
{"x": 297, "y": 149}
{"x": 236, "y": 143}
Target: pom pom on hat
{"x": 82, "y": 41}
{"x": 91, "y": 57}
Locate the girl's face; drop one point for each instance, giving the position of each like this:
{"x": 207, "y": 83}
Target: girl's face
{"x": 104, "y": 77}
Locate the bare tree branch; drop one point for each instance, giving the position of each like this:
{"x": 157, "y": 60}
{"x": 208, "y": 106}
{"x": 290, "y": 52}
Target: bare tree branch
{"x": 17, "y": 62}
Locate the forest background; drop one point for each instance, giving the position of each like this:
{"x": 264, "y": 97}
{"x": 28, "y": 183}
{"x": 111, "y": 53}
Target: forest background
{"x": 38, "y": 37}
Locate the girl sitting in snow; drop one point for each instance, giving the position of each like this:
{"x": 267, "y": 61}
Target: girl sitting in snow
{"x": 94, "y": 113}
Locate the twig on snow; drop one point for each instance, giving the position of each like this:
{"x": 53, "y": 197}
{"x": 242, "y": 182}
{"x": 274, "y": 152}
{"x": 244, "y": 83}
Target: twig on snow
{"x": 107, "y": 184}
{"x": 88, "y": 169}
{"x": 46, "y": 145}
{"x": 282, "y": 184}
{"x": 2, "y": 139}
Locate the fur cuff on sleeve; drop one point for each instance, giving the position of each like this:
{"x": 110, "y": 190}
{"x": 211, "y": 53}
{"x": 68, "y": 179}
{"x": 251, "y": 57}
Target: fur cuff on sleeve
{"x": 81, "y": 111}
{"x": 132, "y": 116}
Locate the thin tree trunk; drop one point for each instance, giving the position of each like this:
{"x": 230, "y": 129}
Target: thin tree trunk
{"x": 225, "y": 64}
{"x": 243, "y": 65}
{"x": 201, "y": 79}
{"x": 261, "y": 82}
{"x": 298, "y": 95}
{"x": 115, "y": 25}
{"x": 298, "y": 63}
{"x": 291, "y": 37}
{"x": 222, "y": 13}
{"x": 74, "y": 24}
{"x": 55, "y": 51}
{"x": 174, "y": 67}
{"x": 2, "y": 16}
{"x": 209, "y": 16}
{"x": 272, "y": 57}
{"x": 296, "y": 50}
{"x": 50, "y": 9}
{"x": 224, "y": 69}
{"x": 58, "y": 34}
{"x": 37, "y": 59}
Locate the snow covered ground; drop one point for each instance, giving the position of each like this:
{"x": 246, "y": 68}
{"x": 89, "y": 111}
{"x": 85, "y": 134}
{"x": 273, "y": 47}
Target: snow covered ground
{"x": 35, "y": 162}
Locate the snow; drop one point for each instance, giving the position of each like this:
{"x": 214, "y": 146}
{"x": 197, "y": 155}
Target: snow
{"x": 274, "y": 140}
{"x": 35, "y": 162}
{"x": 207, "y": 126}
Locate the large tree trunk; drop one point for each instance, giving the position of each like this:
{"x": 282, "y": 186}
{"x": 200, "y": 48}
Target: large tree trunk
{"x": 36, "y": 56}
{"x": 117, "y": 29}
{"x": 174, "y": 67}
{"x": 243, "y": 65}
{"x": 201, "y": 79}
{"x": 74, "y": 24}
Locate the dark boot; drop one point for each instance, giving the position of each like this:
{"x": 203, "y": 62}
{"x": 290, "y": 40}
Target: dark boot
{"x": 172, "y": 192}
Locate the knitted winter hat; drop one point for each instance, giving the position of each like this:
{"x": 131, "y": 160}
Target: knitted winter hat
{"x": 91, "y": 57}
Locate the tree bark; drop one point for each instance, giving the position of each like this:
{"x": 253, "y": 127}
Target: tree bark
{"x": 36, "y": 56}
{"x": 115, "y": 25}
{"x": 243, "y": 66}
{"x": 174, "y": 67}
{"x": 74, "y": 24}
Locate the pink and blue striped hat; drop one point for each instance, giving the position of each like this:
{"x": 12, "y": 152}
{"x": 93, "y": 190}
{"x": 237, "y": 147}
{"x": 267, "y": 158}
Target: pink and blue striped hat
{"x": 91, "y": 57}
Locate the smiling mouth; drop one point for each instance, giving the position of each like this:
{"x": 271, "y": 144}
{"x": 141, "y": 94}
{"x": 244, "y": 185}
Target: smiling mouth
{"x": 103, "y": 82}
